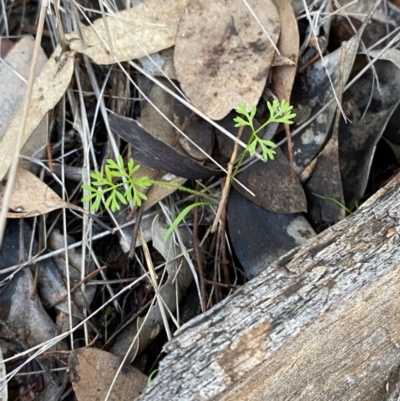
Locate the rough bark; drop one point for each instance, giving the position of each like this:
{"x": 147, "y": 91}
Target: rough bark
{"x": 321, "y": 323}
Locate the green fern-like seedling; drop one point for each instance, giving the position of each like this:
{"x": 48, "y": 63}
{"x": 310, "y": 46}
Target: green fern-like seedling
{"x": 279, "y": 113}
{"x": 116, "y": 175}
{"x": 109, "y": 185}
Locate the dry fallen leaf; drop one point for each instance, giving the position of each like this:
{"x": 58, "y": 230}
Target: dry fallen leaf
{"x": 144, "y": 29}
{"x": 47, "y": 91}
{"x": 274, "y": 188}
{"x": 12, "y": 74}
{"x": 288, "y": 45}
{"x": 32, "y": 197}
{"x": 222, "y": 56}
{"x": 92, "y": 372}
{"x": 13, "y": 89}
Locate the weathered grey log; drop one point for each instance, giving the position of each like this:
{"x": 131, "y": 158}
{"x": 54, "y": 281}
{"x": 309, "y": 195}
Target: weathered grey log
{"x": 321, "y": 323}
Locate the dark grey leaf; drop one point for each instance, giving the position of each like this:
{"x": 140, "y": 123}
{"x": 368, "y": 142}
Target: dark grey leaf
{"x": 273, "y": 186}
{"x": 153, "y": 153}
{"x": 369, "y": 110}
{"x": 311, "y": 92}
{"x": 260, "y": 237}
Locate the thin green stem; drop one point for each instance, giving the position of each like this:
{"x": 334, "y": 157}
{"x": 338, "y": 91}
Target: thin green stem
{"x": 181, "y": 188}
{"x": 269, "y": 121}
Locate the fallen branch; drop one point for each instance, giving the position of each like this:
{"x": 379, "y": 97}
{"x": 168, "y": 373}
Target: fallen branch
{"x": 321, "y": 323}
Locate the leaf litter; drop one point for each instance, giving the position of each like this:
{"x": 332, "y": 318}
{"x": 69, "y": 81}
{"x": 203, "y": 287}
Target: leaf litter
{"x": 130, "y": 298}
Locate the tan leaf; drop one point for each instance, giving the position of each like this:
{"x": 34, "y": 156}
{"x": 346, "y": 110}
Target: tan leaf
{"x": 13, "y": 90}
{"x": 12, "y": 87}
{"x": 288, "y": 45}
{"x": 32, "y": 197}
{"x": 222, "y": 56}
{"x": 92, "y": 372}
{"x": 144, "y": 29}
{"x": 47, "y": 91}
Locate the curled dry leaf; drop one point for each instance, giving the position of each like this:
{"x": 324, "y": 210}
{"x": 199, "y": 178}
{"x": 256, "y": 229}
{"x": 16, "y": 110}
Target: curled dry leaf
{"x": 47, "y": 91}
{"x": 152, "y": 120}
{"x": 32, "y": 197}
{"x": 326, "y": 180}
{"x": 222, "y": 56}
{"x": 312, "y": 90}
{"x": 144, "y": 29}
{"x": 200, "y": 131}
{"x": 24, "y": 324}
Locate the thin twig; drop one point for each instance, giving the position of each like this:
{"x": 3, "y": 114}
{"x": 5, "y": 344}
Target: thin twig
{"x": 154, "y": 280}
{"x": 38, "y": 264}
{"x": 224, "y": 262}
{"x": 290, "y": 150}
{"x": 135, "y": 231}
{"x": 129, "y": 320}
{"x": 77, "y": 285}
{"x": 197, "y": 253}
{"x": 225, "y": 191}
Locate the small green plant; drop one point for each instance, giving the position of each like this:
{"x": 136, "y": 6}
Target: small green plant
{"x": 182, "y": 215}
{"x": 279, "y": 113}
{"x": 105, "y": 185}
{"x": 116, "y": 177}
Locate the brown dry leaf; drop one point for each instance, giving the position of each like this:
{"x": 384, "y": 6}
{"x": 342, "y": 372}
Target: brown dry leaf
{"x": 151, "y": 119}
{"x": 92, "y": 372}
{"x": 288, "y": 45}
{"x": 32, "y": 197}
{"x": 144, "y": 29}
{"x": 222, "y": 55}
{"x": 47, "y": 91}
{"x": 274, "y": 188}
